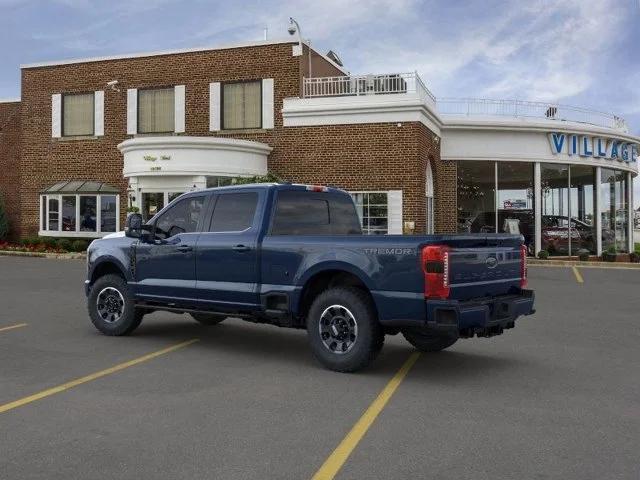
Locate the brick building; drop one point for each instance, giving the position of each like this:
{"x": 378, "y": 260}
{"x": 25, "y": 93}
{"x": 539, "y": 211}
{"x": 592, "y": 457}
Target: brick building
{"x": 90, "y": 138}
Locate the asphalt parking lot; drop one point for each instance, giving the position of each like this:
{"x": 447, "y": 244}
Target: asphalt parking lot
{"x": 557, "y": 397}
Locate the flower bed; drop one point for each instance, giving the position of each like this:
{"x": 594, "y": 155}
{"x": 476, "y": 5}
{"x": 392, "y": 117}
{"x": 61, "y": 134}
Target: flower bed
{"x": 45, "y": 245}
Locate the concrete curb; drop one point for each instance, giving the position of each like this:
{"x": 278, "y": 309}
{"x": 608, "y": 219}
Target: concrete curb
{"x": 575, "y": 263}
{"x": 58, "y": 256}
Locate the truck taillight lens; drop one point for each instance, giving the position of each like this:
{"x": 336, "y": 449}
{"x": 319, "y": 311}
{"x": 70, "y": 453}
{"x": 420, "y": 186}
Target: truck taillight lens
{"x": 435, "y": 265}
{"x": 523, "y": 266}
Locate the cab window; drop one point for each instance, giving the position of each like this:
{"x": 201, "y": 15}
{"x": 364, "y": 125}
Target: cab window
{"x": 234, "y": 212}
{"x": 183, "y": 217}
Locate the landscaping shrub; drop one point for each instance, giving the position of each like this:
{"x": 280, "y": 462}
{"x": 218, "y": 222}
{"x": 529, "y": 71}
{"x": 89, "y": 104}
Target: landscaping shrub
{"x": 65, "y": 244}
{"x": 79, "y": 245}
{"x": 543, "y": 254}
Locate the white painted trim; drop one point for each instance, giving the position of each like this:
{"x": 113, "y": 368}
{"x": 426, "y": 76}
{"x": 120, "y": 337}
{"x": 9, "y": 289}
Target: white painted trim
{"x": 10, "y": 100}
{"x": 268, "y": 102}
{"x": 179, "y": 108}
{"x": 214, "y": 107}
{"x": 132, "y": 111}
{"x": 537, "y": 207}
{"x": 392, "y": 108}
{"x": 394, "y": 212}
{"x": 630, "y": 212}
{"x": 98, "y": 113}
{"x": 56, "y": 115}
{"x": 598, "y": 211}
{"x": 156, "y": 53}
{"x": 77, "y": 233}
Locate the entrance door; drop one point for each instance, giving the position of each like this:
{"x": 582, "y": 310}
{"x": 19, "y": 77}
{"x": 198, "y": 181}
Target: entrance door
{"x": 152, "y": 203}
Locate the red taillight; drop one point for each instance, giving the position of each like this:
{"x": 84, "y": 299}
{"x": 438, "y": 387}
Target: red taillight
{"x": 435, "y": 265}
{"x": 317, "y": 188}
{"x": 523, "y": 266}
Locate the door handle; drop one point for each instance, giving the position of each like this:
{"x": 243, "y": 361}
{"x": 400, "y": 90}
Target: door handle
{"x": 184, "y": 248}
{"x": 241, "y": 248}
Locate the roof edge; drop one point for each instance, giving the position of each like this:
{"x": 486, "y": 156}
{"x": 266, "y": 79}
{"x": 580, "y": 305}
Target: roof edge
{"x": 10, "y": 100}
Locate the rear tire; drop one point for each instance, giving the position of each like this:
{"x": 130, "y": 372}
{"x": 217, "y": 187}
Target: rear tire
{"x": 111, "y": 306}
{"x": 343, "y": 329}
{"x": 208, "y": 319}
{"x": 429, "y": 342}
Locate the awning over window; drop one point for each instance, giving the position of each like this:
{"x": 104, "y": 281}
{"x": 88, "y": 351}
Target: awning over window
{"x": 80, "y": 186}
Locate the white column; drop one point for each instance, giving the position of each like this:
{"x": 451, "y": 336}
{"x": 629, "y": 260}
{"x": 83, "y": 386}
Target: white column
{"x": 598, "y": 212}
{"x": 537, "y": 207}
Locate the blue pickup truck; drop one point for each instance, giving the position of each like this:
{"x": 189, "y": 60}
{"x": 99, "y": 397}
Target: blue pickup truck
{"x": 295, "y": 256}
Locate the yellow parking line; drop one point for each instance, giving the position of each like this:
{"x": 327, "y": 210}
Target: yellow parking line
{"x": 336, "y": 460}
{"x": 94, "y": 376}
{"x": 19, "y": 325}
{"x": 576, "y": 272}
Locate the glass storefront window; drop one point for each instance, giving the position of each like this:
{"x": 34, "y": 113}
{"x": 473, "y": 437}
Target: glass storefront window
{"x": 476, "y": 197}
{"x": 554, "y": 181}
{"x": 69, "y": 213}
{"x": 515, "y": 201}
{"x": 614, "y": 210}
{"x": 108, "y": 213}
{"x": 582, "y": 203}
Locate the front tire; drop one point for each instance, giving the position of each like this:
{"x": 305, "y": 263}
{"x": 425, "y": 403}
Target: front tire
{"x": 429, "y": 342}
{"x": 111, "y": 306}
{"x": 208, "y": 319}
{"x": 343, "y": 329}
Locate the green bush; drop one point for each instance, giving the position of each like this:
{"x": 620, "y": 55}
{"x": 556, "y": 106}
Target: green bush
{"x": 268, "y": 178}
{"x": 50, "y": 242}
{"x": 543, "y": 254}
{"x": 65, "y": 244}
{"x": 79, "y": 245}
{"x": 4, "y": 221}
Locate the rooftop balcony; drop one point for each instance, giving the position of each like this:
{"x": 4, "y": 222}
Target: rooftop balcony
{"x": 410, "y": 84}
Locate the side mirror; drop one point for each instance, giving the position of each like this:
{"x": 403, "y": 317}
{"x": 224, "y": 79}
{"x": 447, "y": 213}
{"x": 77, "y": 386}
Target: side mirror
{"x": 133, "y": 226}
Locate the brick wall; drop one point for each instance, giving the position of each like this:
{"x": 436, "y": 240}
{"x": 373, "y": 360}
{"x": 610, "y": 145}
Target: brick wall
{"x": 9, "y": 163}
{"x": 354, "y": 157}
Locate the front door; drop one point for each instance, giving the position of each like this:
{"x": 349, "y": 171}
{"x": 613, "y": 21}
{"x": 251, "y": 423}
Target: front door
{"x": 165, "y": 269}
{"x": 227, "y": 256}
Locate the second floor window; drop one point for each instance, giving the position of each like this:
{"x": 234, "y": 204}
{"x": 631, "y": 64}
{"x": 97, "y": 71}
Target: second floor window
{"x": 78, "y": 114}
{"x": 156, "y": 110}
{"x": 242, "y": 105}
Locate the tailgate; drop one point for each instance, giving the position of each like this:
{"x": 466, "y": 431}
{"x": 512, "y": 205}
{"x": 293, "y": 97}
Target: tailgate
{"x": 483, "y": 265}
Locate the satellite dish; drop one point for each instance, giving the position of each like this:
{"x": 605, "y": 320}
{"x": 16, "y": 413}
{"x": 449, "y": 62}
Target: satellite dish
{"x": 334, "y": 56}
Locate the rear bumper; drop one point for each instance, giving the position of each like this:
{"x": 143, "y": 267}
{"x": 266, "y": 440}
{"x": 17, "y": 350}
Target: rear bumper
{"x": 482, "y": 317}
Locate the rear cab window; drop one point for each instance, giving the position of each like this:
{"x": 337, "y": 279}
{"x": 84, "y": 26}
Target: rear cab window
{"x": 234, "y": 212}
{"x": 314, "y": 213}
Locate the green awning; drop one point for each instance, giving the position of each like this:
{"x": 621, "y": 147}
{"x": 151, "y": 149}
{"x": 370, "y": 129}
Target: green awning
{"x": 81, "y": 186}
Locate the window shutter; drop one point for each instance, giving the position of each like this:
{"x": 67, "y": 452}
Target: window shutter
{"x": 56, "y": 115}
{"x": 267, "y": 103}
{"x": 214, "y": 107}
{"x": 179, "y": 99}
{"x": 394, "y": 199}
{"x": 98, "y": 113}
{"x": 132, "y": 111}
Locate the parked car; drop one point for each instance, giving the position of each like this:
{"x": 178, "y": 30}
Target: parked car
{"x": 295, "y": 256}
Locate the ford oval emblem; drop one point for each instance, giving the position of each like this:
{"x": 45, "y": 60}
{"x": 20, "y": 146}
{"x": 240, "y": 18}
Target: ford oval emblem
{"x": 492, "y": 262}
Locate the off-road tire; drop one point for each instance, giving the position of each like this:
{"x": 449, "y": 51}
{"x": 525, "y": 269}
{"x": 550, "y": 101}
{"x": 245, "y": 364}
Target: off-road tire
{"x": 208, "y": 319}
{"x": 369, "y": 336}
{"x": 130, "y": 317}
{"x": 429, "y": 342}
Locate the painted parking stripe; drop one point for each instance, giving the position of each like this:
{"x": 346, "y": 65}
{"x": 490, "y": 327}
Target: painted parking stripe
{"x": 578, "y": 275}
{"x": 336, "y": 460}
{"x": 12, "y": 327}
{"x": 94, "y": 376}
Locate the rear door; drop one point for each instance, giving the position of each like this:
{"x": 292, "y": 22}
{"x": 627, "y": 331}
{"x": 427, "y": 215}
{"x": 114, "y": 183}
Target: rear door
{"x": 227, "y": 253}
